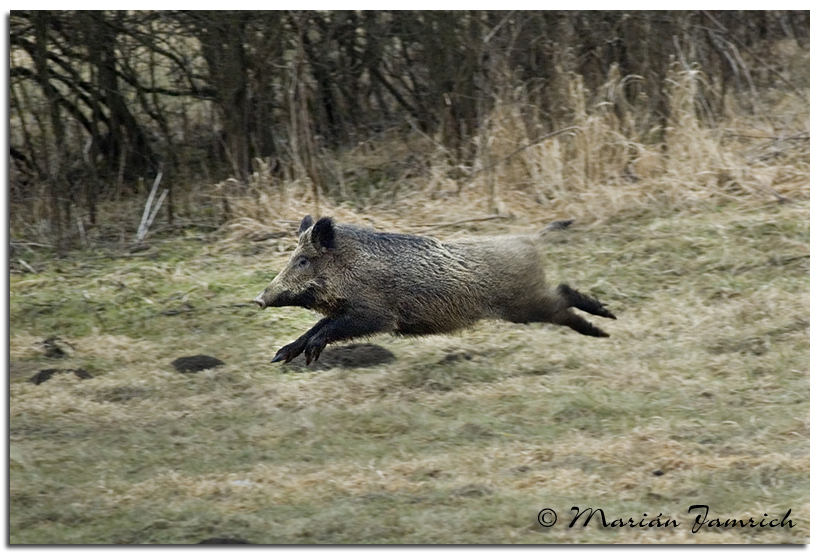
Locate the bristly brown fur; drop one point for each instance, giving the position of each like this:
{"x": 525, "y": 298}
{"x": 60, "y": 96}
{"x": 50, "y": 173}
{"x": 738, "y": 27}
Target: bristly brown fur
{"x": 365, "y": 282}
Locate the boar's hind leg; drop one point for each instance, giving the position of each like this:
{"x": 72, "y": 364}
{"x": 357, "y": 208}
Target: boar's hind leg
{"x": 574, "y": 299}
{"x": 583, "y": 302}
{"x": 348, "y": 326}
{"x": 557, "y": 308}
{"x": 578, "y": 323}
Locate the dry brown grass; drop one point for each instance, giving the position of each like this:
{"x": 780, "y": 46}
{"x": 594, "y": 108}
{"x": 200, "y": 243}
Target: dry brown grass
{"x": 598, "y": 171}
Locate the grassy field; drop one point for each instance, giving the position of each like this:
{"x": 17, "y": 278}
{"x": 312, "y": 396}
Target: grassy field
{"x": 701, "y": 396}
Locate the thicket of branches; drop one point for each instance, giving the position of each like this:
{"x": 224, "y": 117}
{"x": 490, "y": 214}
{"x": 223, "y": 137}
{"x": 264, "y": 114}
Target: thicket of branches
{"x": 100, "y": 100}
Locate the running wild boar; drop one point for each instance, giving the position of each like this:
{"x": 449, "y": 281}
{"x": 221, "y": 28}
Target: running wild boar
{"x": 365, "y": 282}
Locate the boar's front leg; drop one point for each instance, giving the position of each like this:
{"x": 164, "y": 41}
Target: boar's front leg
{"x": 290, "y": 351}
{"x": 348, "y": 326}
{"x": 328, "y": 330}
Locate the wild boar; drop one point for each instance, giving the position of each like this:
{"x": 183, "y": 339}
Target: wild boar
{"x": 366, "y": 282}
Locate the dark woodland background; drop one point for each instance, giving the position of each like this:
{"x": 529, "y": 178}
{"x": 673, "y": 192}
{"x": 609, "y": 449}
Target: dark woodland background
{"x": 100, "y": 102}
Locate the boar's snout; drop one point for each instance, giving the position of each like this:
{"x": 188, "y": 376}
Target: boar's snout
{"x": 260, "y": 302}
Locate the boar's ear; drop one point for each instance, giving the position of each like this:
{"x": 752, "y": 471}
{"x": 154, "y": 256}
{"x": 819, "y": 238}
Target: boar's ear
{"x": 305, "y": 225}
{"x": 323, "y": 234}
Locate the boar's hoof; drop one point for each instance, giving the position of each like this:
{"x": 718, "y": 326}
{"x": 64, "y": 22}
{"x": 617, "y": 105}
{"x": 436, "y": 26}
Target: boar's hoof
{"x": 288, "y": 352}
{"x": 313, "y": 350}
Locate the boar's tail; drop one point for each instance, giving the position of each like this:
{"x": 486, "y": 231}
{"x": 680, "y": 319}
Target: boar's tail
{"x": 558, "y": 225}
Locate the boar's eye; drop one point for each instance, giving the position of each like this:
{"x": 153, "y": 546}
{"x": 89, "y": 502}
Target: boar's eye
{"x": 302, "y": 263}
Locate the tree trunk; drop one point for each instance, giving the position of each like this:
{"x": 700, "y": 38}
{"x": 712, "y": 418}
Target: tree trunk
{"x": 55, "y": 172}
